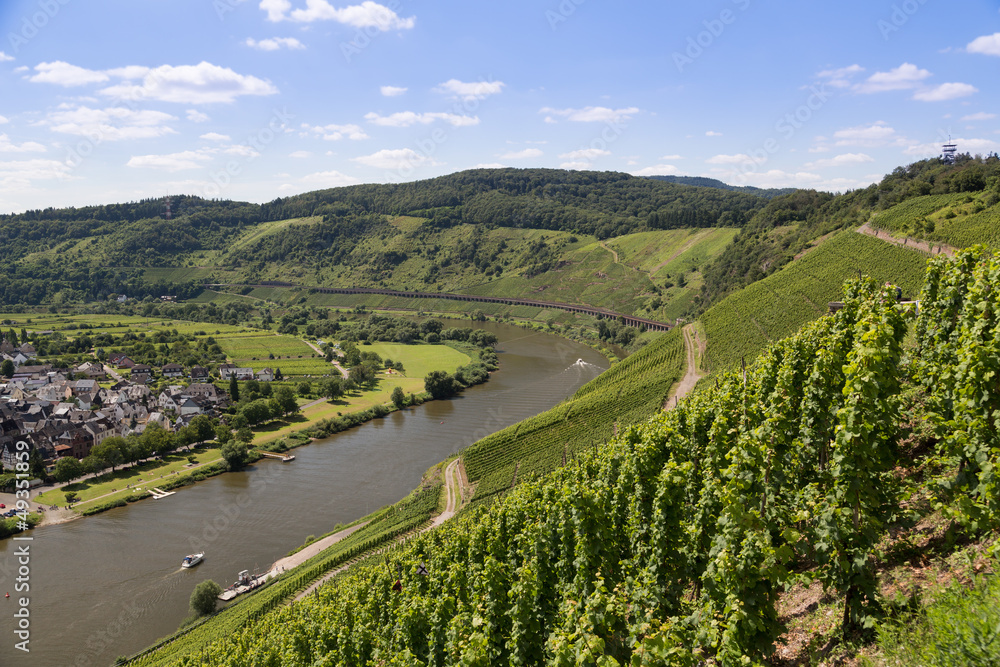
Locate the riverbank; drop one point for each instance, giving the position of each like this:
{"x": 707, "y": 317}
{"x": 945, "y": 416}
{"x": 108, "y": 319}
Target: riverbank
{"x": 320, "y": 418}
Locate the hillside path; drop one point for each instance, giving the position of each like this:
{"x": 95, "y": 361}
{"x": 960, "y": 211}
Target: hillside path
{"x": 611, "y": 250}
{"x": 336, "y": 364}
{"x": 687, "y": 246}
{"x": 454, "y": 483}
{"x": 922, "y": 246}
{"x": 691, "y": 377}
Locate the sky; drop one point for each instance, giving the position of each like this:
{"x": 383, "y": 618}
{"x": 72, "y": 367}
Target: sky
{"x": 105, "y": 101}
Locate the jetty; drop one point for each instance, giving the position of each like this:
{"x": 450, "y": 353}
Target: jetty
{"x": 281, "y": 457}
{"x": 160, "y": 493}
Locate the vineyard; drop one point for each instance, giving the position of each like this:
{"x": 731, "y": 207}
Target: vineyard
{"x": 961, "y": 220}
{"x": 743, "y": 324}
{"x": 629, "y": 393}
{"x": 672, "y": 544}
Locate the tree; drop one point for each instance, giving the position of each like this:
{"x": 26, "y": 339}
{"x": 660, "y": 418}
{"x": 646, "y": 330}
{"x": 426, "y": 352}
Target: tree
{"x": 7, "y": 368}
{"x": 203, "y": 428}
{"x": 204, "y": 597}
{"x": 304, "y": 388}
{"x": 235, "y": 453}
{"x": 332, "y": 388}
{"x": 234, "y": 389}
{"x": 440, "y": 384}
{"x": 108, "y": 453}
{"x": 67, "y": 469}
{"x": 398, "y": 397}
{"x": 362, "y": 374}
{"x": 278, "y": 375}
{"x": 286, "y": 401}
{"x": 223, "y": 434}
{"x": 244, "y": 435}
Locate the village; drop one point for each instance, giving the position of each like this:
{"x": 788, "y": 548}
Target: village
{"x": 69, "y": 412}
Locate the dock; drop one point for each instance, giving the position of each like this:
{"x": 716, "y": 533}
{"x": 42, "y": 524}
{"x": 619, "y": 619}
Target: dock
{"x": 245, "y": 582}
{"x": 281, "y": 457}
{"x": 160, "y": 493}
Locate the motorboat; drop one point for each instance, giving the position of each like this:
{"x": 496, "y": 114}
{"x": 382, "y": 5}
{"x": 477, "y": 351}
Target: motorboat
{"x": 192, "y": 560}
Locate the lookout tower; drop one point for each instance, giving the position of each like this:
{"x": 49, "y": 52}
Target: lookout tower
{"x": 948, "y": 152}
{"x": 168, "y": 207}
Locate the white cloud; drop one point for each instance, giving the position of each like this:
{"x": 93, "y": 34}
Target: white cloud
{"x": 584, "y": 154}
{"x": 5, "y": 58}
{"x": 215, "y": 136}
{"x": 3, "y": 120}
{"x": 526, "y": 154}
{"x": 408, "y": 118}
{"x": 112, "y": 124}
{"x": 590, "y": 114}
{"x": 470, "y": 91}
{"x": 392, "y": 91}
{"x": 329, "y": 179}
{"x": 203, "y": 83}
{"x": 982, "y": 115}
{"x": 773, "y": 178}
{"x": 336, "y": 132}
{"x": 18, "y": 175}
{"x": 713, "y": 133}
{"x": 672, "y": 157}
{"x": 904, "y": 77}
{"x": 840, "y": 161}
{"x": 988, "y": 45}
{"x": 7, "y": 146}
{"x": 276, "y": 9}
{"x": 490, "y": 165}
{"x": 366, "y": 15}
{"x": 739, "y": 158}
{"x": 300, "y": 155}
{"x": 172, "y": 162}
{"x": 576, "y": 166}
{"x": 63, "y": 74}
{"x": 196, "y": 116}
{"x": 946, "y": 91}
{"x": 657, "y": 170}
{"x": 275, "y": 43}
{"x": 874, "y": 135}
{"x": 400, "y": 158}
{"x": 840, "y": 78}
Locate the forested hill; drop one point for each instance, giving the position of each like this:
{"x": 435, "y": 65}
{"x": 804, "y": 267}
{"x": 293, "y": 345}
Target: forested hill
{"x": 601, "y": 203}
{"x": 704, "y": 182}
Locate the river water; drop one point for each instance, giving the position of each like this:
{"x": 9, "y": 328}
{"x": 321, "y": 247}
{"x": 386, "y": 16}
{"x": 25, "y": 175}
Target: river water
{"x": 111, "y": 584}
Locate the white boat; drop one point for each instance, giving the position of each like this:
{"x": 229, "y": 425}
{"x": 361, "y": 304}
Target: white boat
{"x": 192, "y": 560}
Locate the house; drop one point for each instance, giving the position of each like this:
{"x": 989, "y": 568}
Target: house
{"x": 6, "y": 347}
{"x": 226, "y": 370}
{"x": 199, "y": 374}
{"x": 229, "y": 370}
{"x": 28, "y": 350}
{"x": 172, "y": 371}
{"x": 141, "y": 373}
{"x": 265, "y": 375}
{"x": 206, "y": 390}
{"x": 93, "y": 371}
{"x": 121, "y": 360}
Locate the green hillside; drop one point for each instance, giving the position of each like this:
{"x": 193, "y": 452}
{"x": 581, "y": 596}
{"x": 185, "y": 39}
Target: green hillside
{"x": 679, "y": 542}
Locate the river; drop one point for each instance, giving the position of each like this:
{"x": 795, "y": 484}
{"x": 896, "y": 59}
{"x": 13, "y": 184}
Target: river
{"x": 111, "y": 584}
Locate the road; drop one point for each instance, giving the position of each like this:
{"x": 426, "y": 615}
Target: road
{"x": 691, "y": 376}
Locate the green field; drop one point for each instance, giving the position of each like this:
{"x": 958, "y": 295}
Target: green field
{"x": 419, "y": 360}
{"x": 260, "y": 347}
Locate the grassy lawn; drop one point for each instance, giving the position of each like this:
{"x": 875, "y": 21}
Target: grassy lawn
{"x": 145, "y": 476}
{"x": 259, "y": 347}
{"x": 419, "y": 360}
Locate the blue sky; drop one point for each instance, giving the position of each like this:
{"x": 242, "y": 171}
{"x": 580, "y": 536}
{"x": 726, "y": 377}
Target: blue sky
{"x": 115, "y": 100}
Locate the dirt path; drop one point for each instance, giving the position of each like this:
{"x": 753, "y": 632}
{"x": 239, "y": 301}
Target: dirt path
{"x": 336, "y": 364}
{"x": 687, "y": 246}
{"x": 692, "y": 376}
{"x": 611, "y": 250}
{"x": 454, "y": 485}
{"x": 305, "y": 554}
{"x": 912, "y": 244}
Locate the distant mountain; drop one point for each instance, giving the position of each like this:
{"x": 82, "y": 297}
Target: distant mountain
{"x": 703, "y": 182}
